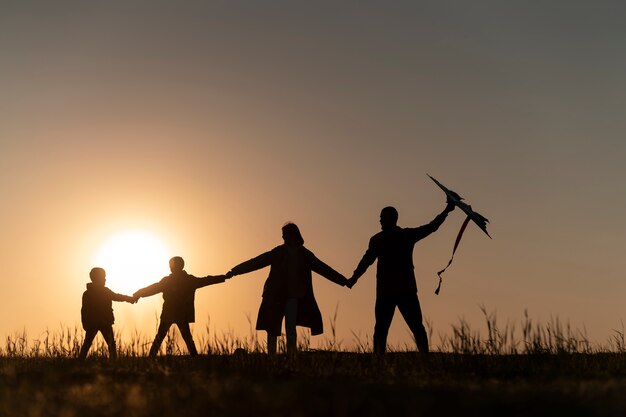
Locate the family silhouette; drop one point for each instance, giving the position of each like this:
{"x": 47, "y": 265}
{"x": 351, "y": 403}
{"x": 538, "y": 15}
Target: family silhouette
{"x": 287, "y": 292}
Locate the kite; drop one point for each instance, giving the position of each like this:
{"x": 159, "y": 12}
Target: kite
{"x": 477, "y": 218}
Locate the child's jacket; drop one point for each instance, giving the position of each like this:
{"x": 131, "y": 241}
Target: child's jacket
{"x": 179, "y": 291}
{"x": 97, "y": 309}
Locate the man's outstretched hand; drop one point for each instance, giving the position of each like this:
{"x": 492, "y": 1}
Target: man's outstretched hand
{"x": 450, "y": 204}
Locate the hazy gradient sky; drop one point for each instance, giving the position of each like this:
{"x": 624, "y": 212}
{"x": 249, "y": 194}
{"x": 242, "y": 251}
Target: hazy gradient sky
{"x": 210, "y": 124}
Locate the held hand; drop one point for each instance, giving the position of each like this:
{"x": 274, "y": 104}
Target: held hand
{"x": 229, "y": 275}
{"x": 134, "y": 299}
{"x": 351, "y": 282}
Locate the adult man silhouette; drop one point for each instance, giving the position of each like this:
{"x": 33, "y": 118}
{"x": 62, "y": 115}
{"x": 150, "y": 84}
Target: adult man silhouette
{"x": 395, "y": 278}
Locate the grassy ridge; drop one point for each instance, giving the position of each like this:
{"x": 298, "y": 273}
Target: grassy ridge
{"x": 317, "y": 383}
{"x": 536, "y": 370}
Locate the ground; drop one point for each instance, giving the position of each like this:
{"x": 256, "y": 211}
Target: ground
{"x": 317, "y": 384}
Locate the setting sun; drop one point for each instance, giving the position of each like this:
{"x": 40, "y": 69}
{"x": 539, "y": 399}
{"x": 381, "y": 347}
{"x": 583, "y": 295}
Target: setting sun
{"x": 132, "y": 259}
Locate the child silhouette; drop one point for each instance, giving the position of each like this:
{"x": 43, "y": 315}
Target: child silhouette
{"x": 179, "y": 289}
{"x": 97, "y": 312}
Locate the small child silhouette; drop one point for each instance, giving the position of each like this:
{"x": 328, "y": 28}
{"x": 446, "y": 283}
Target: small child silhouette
{"x": 97, "y": 312}
{"x": 179, "y": 289}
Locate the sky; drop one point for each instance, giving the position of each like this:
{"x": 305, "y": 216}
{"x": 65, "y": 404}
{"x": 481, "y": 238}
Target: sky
{"x": 209, "y": 124}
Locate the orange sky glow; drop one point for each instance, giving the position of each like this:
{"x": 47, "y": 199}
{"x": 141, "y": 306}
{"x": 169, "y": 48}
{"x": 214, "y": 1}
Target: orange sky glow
{"x": 209, "y": 127}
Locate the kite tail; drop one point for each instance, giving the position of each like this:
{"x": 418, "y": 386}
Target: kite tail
{"x": 456, "y": 245}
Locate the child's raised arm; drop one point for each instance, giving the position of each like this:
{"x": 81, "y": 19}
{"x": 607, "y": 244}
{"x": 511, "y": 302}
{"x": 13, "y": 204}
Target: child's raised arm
{"x": 148, "y": 291}
{"x": 209, "y": 280}
{"x": 122, "y": 297}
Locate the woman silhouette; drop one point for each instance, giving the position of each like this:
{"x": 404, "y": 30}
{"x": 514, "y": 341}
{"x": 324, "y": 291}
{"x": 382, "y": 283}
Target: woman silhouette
{"x": 288, "y": 290}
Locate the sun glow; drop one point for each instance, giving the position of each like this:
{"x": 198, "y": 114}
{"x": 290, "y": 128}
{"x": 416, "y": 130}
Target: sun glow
{"x": 132, "y": 259}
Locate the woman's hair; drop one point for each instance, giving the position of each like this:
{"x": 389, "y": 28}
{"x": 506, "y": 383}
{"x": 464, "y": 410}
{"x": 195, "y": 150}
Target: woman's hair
{"x": 291, "y": 229}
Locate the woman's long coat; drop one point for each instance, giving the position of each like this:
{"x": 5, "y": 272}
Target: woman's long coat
{"x": 276, "y": 291}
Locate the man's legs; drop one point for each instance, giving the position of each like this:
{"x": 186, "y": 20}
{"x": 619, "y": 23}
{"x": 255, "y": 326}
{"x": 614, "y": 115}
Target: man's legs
{"x": 185, "y": 332}
{"x": 291, "y": 314}
{"x": 158, "y": 339}
{"x": 89, "y": 336}
{"x": 385, "y": 307}
{"x": 109, "y": 337}
{"x": 410, "y": 309}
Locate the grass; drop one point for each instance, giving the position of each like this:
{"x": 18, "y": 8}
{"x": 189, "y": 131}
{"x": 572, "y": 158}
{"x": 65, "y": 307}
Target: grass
{"x": 316, "y": 383}
{"x": 535, "y": 369}
{"x": 531, "y": 337}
